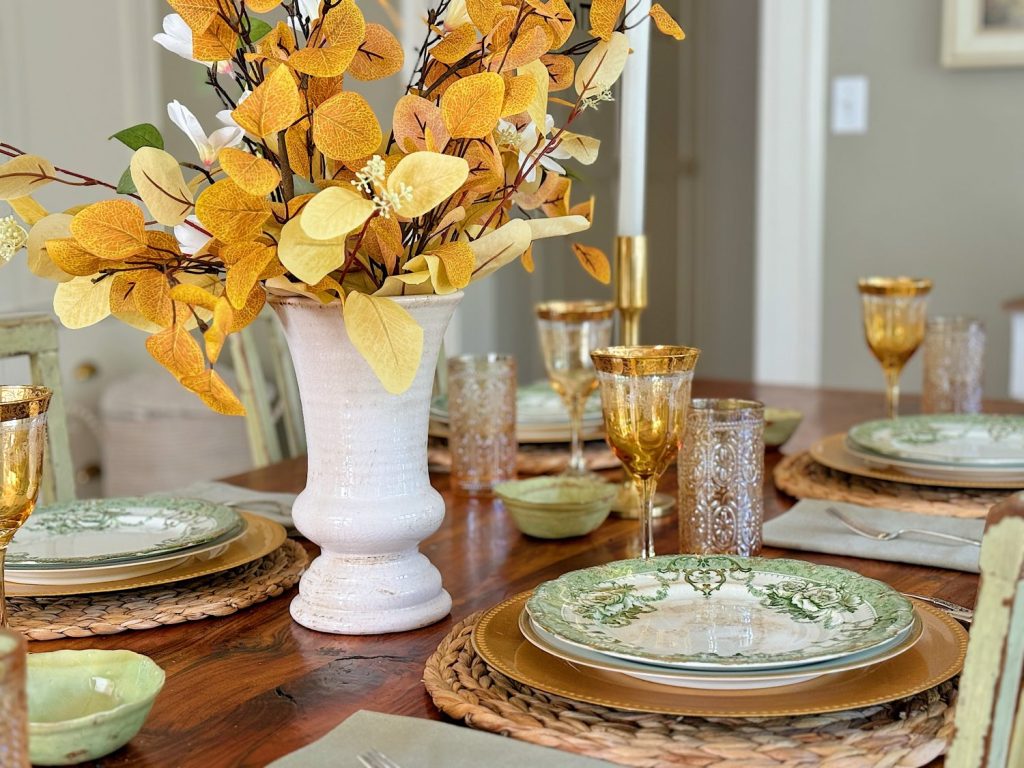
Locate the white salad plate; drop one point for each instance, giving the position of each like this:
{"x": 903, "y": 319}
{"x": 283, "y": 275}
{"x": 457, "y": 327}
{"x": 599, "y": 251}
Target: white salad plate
{"x": 934, "y": 471}
{"x": 946, "y": 440}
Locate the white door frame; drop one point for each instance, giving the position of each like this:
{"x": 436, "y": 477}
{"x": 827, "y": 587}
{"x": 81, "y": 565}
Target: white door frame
{"x": 789, "y": 263}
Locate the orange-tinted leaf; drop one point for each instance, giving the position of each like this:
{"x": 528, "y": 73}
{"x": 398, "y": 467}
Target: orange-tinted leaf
{"x": 111, "y": 229}
{"x": 272, "y": 107}
{"x": 458, "y": 261}
{"x": 665, "y": 23}
{"x": 217, "y": 43}
{"x": 320, "y": 89}
{"x": 253, "y": 174}
{"x": 176, "y": 350}
{"x": 455, "y": 44}
{"x": 246, "y": 271}
{"x": 262, "y": 6}
{"x": 253, "y": 306}
{"x": 321, "y": 62}
{"x": 278, "y": 44}
{"x": 471, "y": 107}
{"x": 482, "y": 12}
{"x": 527, "y": 259}
{"x": 214, "y": 392}
{"x": 343, "y": 26}
{"x": 561, "y": 71}
{"x": 414, "y": 116}
{"x": 519, "y": 92}
{"x": 198, "y": 14}
{"x": 72, "y": 258}
{"x": 230, "y": 213}
{"x": 554, "y": 194}
{"x": 194, "y": 296}
{"x": 584, "y": 209}
{"x": 152, "y": 295}
{"x": 218, "y": 329}
{"x": 485, "y": 169}
{"x": 594, "y": 261}
{"x": 604, "y": 16}
{"x": 383, "y": 241}
{"x": 530, "y": 44}
{"x": 559, "y": 18}
{"x": 345, "y": 128}
{"x": 379, "y": 55}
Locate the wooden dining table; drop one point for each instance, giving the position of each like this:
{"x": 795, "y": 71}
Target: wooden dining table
{"x": 245, "y": 689}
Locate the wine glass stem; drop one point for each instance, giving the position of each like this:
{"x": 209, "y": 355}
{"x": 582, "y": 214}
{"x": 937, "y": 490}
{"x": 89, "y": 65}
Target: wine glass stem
{"x": 645, "y": 487}
{"x": 892, "y": 392}
{"x": 577, "y": 463}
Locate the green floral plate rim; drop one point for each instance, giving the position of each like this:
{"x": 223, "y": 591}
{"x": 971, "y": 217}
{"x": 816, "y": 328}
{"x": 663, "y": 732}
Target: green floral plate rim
{"x": 947, "y": 440}
{"x": 719, "y": 611}
{"x": 107, "y": 531}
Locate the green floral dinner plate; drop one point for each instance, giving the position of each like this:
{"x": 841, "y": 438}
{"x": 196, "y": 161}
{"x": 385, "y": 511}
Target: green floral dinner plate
{"x": 98, "y": 532}
{"x": 717, "y": 611}
{"x": 951, "y": 440}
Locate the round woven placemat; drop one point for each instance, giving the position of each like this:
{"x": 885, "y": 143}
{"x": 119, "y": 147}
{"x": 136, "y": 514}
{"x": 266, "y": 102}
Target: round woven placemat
{"x": 56, "y": 618}
{"x": 804, "y": 478}
{"x": 912, "y": 732}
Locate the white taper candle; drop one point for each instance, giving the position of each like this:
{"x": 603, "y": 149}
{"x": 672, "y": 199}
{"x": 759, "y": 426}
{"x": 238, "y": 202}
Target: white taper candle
{"x": 633, "y": 123}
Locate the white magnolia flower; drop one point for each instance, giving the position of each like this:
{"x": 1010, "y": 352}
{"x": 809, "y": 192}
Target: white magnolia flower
{"x": 207, "y": 146}
{"x": 525, "y": 142}
{"x": 177, "y": 38}
{"x": 309, "y": 8}
{"x": 190, "y": 239}
{"x": 456, "y": 16}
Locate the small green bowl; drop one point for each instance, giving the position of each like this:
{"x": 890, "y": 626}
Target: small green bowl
{"x": 779, "y": 425}
{"x": 83, "y": 705}
{"x": 557, "y": 507}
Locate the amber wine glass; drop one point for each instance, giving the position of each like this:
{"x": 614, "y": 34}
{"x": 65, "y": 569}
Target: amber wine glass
{"x": 569, "y": 332}
{"x": 645, "y": 392}
{"x": 22, "y": 437}
{"x": 894, "y": 324}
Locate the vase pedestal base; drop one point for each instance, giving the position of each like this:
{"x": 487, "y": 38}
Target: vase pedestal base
{"x": 370, "y": 595}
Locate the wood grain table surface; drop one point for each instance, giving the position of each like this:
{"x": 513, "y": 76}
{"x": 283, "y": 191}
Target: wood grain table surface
{"x": 248, "y": 688}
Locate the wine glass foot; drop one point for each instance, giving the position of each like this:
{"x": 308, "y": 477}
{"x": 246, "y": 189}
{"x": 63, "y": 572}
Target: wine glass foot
{"x": 627, "y": 503}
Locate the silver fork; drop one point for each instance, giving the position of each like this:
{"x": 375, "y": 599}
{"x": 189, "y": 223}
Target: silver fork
{"x": 376, "y": 759}
{"x": 874, "y": 533}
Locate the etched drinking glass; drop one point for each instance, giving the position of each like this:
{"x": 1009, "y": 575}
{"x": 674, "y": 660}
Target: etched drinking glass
{"x": 569, "y": 332}
{"x": 721, "y": 472}
{"x": 13, "y": 703}
{"x": 645, "y": 392}
{"x": 954, "y": 365}
{"x": 894, "y": 318}
{"x": 22, "y": 441}
{"x": 481, "y": 421}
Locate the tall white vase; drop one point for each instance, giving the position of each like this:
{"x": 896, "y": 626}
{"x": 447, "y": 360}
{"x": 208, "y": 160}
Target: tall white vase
{"x": 368, "y": 500}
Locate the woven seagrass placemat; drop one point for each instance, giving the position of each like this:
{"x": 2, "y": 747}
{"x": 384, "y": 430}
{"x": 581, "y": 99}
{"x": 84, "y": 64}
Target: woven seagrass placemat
{"x": 107, "y": 613}
{"x": 804, "y": 478}
{"x": 912, "y": 732}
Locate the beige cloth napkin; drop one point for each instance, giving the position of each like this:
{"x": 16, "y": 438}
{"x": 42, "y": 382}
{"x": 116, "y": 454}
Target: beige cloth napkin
{"x": 275, "y": 506}
{"x": 807, "y": 526}
{"x": 412, "y": 742}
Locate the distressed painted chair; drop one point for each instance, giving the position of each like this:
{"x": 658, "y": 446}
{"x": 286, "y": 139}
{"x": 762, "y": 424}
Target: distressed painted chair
{"x": 262, "y": 415}
{"x": 990, "y": 710}
{"x": 35, "y": 337}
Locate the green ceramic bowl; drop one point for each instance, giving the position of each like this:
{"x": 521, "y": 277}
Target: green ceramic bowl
{"x": 779, "y": 425}
{"x": 557, "y": 507}
{"x": 83, "y": 705}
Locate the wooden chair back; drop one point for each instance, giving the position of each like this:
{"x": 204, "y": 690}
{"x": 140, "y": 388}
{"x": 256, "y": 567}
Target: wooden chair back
{"x": 35, "y": 336}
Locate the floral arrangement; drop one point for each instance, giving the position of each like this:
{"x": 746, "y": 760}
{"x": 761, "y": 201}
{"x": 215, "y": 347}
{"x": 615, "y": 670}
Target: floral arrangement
{"x": 300, "y": 191}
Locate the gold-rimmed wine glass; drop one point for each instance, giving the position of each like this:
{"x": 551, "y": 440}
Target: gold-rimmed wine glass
{"x": 22, "y": 441}
{"x": 645, "y": 392}
{"x": 894, "y": 324}
{"x": 569, "y": 332}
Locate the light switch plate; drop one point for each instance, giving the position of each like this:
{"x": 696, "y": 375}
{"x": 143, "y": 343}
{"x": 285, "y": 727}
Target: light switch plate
{"x": 849, "y": 105}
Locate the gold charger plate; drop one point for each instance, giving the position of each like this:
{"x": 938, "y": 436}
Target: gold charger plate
{"x": 262, "y": 536}
{"x": 937, "y": 656}
{"x": 831, "y": 451}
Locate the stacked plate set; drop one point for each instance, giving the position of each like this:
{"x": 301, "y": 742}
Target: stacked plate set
{"x": 953, "y": 450}
{"x": 720, "y": 636}
{"x": 108, "y": 545}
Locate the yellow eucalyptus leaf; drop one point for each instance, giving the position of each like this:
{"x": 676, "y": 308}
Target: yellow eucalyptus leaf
{"x": 28, "y": 209}
{"x": 198, "y": 14}
{"x": 335, "y": 212}
{"x": 584, "y": 209}
{"x": 161, "y": 186}
{"x": 496, "y": 249}
{"x": 457, "y": 262}
{"x": 413, "y": 117}
{"x": 177, "y": 351}
{"x": 561, "y": 71}
{"x": 602, "y": 66}
{"x": 383, "y": 241}
{"x": 431, "y": 177}
{"x": 40, "y": 261}
{"x": 407, "y": 284}
{"x": 378, "y": 56}
{"x": 519, "y": 94}
{"x": 321, "y": 62}
{"x": 218, "y": 329}
{"x": 194, "y": 296}
{"x": 278, "y": 44}
{"x": 537, "y": 108}
{"x": 308, "y": 259}
{"x": 582, "y": 149}
{"x": 594, "y": 261}
{"x": 456, "y": 44}
{"x": 559, "y": 17}
{"x": 80, "y": 302}
{"x": 111, "y": 229}
{"x": 262, "y": 6}
{"x": 483, "y": 12}
{"x": 529, "y": 46}
{"x": 71, "y": 258}
{"x": 665, "y": 23}
{"x": 345, "y": 128}
{"x": 230, "y": 213}
{"x": 161, "y": 245}
{"x": 218, "y": 43}
{"x": 23, "y": 175}
{"x": 471, "y": 107}
{"x": 122, "y": 302}
{"x": 213, "y": 391}
{"x": 557, "y": 227}
{"x": 250, "y": 310}
{"x": 247, "y": 269}
{"x": 387, "y": 337}
{"x": 273, "y": 105}
{"x": 253, "y": 174}
{"x": 527, "y": 260}
{"x": 344, "y": 26}
{"x": 152, "y": 295}
{"x": 604, "y": 17}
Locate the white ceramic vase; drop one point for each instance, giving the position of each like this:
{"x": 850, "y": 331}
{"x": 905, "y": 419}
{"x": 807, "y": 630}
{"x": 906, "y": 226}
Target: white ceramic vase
{"x": 368, "y": 501}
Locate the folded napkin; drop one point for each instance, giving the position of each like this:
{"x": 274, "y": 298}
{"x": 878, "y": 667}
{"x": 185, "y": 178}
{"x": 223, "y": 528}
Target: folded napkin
{"x": 809, "y": 527}
{"x": 412, "y": 742}
{"x": 272, "y": 505}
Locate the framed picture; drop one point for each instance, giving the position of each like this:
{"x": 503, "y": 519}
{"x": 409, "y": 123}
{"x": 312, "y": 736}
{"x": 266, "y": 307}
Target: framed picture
{"x": 983, "y": 33}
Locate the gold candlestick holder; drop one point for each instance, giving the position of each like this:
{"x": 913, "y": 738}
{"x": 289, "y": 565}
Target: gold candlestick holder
{"x": 631, "y": 300}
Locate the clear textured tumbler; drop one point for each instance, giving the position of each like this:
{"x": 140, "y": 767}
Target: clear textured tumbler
{"x": 954, "y": 365}
{"x": 13, "y": 705}
{"x": 721, "y": 472}
{"x": 481, "y": 421}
